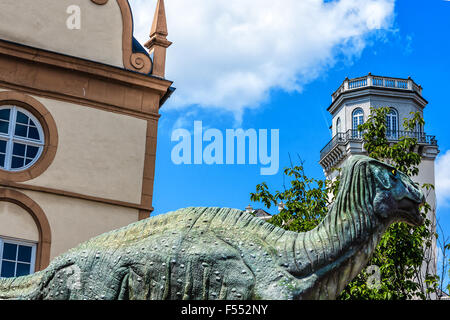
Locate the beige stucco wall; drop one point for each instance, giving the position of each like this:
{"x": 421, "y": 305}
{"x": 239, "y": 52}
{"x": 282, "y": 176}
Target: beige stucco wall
{"x": 17, "y": 223}
{"x": 100, "y": 153}
{"x": 42, "y": 24}
{"x": 73, "y": 221}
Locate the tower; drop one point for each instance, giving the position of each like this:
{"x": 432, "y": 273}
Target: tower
{"x": 350, "y": 107}
{"x": 79, "y": 111}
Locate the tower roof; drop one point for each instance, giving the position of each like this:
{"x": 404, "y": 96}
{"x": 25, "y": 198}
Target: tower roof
{"x": 377, "y": 85}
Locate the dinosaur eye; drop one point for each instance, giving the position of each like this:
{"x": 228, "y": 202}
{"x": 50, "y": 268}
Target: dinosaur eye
{"x": 394, "y": 172}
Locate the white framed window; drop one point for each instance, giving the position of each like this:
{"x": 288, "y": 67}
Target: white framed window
{"x": 17, "y": 258}
{"x": 338, "y": 126}
{"x": 21, "y": 138}
{"x": 392, "y": 124}
{"x": 357, "y": 120}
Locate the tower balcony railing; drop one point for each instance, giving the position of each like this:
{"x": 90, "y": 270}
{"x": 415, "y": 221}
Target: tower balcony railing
{"x": 343, "y": 138}
{"x": 379, "y": 82}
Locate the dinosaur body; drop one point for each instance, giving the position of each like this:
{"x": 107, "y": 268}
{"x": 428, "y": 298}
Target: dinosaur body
{"x": 216, "y": 253}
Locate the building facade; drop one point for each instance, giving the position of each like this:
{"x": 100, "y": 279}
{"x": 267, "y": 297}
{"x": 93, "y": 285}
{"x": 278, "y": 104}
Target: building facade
{"x": 351, "y": 106}
{"x": 79, "y": 110}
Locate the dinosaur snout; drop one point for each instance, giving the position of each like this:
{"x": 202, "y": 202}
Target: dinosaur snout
{"x": 415, "y": 193}
{"x": 409, "y": 212}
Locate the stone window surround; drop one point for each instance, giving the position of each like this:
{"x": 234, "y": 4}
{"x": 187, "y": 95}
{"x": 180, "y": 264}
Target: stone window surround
{"x": 48, "y": 124}
{"x": 38, "y": 215}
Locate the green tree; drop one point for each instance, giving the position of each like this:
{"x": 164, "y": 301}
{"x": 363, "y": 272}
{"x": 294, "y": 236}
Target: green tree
{"x": 402, "y": 250}
{"x": 305, "y": 202}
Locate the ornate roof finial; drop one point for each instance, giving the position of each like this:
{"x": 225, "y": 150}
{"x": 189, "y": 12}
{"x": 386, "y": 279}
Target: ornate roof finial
{"x": 158, "y": 42}
{"x": 159, "y": 25}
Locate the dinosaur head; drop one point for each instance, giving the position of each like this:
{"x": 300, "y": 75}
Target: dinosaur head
{"x": 396, "y": 197}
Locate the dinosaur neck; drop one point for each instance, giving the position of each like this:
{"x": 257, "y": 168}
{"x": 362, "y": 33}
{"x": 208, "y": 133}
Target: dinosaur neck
{"x": 341, "y": 232}
{"x": 338, "y": 249}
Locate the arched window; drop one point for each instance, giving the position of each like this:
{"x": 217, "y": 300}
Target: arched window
{"x": 392, "y": 124}
{"x": 338, "y": 126}
{"x": 17, "y": 258}
{"x": 25, "y": 241}
{"x": 357, "y": 120}
{"x": 419, "y": 133}
{"x": 21, "y": 138}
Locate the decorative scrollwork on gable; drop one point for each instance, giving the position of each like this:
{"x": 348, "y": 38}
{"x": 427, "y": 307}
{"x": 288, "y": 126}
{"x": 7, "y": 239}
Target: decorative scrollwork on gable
{"x": 141, "y": 62}
{"x": 100, "y": 2}
{"x": 134, "y": 61}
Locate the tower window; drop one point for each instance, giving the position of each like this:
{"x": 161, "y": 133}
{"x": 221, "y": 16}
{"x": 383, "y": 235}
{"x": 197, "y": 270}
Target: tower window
{"x": 21, "y": 139}
{"x": 338, "y": 126}
{"x": 392, "y": 124}
{"x": 17, "y": 258}
{"x": 358, "y": 119}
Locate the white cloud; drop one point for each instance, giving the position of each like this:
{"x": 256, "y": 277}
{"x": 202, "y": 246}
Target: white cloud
{"x": 229, "y": 54}
{"x": 443, "y": 179}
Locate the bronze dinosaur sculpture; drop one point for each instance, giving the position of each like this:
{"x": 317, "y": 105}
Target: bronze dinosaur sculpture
{"x": 214, "y": 253}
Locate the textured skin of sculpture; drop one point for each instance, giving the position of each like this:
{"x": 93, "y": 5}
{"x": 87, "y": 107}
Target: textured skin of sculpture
{"x": 214, "y": 253}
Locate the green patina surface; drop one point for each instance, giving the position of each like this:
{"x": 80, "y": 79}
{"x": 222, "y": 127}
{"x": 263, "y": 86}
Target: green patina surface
{"x": 218, "y": 253}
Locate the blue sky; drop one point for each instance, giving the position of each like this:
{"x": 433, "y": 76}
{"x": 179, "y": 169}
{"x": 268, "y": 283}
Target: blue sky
{"x": 294, "y": 57}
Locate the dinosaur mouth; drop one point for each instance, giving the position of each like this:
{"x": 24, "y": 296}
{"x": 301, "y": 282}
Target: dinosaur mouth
{"x": 409, "y": 212}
